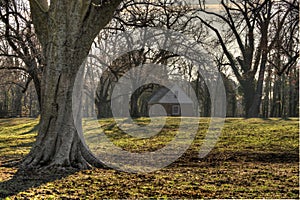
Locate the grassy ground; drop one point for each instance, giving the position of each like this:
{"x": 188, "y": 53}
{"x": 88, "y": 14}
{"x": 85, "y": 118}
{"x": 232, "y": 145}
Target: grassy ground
{"x": 253, "y": 158}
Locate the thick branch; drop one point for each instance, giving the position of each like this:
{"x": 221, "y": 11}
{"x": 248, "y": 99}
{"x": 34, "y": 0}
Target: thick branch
{"x": 227, "y": 53}
{"x": 96, "y": 17}
{"x": 39, "y": 13}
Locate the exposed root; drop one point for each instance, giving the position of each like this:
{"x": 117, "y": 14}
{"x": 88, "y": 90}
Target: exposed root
{"x": 59, "y": 151}
{"x": 90, "y": 158}
{"x": 82, "y": 160}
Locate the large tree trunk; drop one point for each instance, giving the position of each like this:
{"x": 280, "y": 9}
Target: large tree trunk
{"x": 37, "y": 85}
{"x": 276, "y": 98}
{"x": 17, "y": 102}
{"x": 134, "y": 107}
{"x": 103, "y": 108}
{"x": 248, "y": 89}
{"x": 58, "y": 142}
{"x": 255, "y": 107}
{"x": 66, "y": 31}
{"x": 266, "y": 102}
{"x": 293, "y": 93}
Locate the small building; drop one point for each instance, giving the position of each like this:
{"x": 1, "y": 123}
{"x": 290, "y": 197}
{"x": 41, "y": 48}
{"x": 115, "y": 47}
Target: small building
{"x": 174, "y": 102}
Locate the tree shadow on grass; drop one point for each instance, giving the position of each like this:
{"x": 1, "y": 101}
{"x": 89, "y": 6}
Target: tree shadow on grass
{"x": 255, "y": 157}
{"x": 22, "y": 181}
{"x": 34, "y": 129}
{"x": 219, "y": 157}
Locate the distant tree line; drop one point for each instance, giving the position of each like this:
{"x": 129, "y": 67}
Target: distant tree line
{"x": 255, "y": 45}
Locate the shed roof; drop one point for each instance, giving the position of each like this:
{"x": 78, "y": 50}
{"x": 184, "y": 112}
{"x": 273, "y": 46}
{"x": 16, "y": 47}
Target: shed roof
{"x": 165, "y": 95}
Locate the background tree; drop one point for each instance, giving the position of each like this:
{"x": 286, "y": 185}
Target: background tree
{"x": 15, "y": 89}
{"x": 18, "y": 40}
{"x": 283, "y": 69}
{"x": 247, "y": 42}
{"x": 136, "y": 14}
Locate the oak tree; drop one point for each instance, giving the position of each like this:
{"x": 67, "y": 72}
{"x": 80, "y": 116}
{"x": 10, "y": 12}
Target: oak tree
{"x": 66, "y": 31}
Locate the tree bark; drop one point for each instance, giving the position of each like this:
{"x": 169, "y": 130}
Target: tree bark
{"x": 134, "y": 107}
{"x": 17, "y": 102}
{"x": 266, "y": 102}
{"x": 66, "y": 39}
{"x": 255, "y": 107}
{"x": 248, "y": 89}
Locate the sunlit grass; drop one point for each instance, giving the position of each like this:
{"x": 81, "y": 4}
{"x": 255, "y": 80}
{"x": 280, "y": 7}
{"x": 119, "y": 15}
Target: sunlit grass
{"x": 244, "y": 135}
{"x": 253, "y": 158}
{"x": 16, "y": 136}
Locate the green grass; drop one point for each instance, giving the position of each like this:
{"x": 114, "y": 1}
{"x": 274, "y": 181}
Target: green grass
{"x": 16, "y": 137}
{"x": 253, "y": 158}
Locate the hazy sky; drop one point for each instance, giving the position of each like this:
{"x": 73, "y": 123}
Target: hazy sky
{"x": 196, "y": 2}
